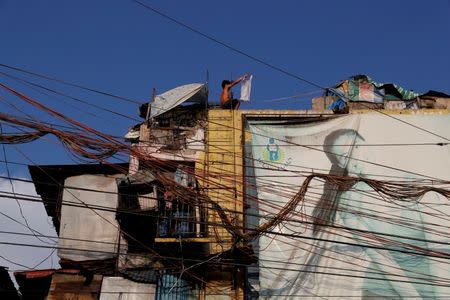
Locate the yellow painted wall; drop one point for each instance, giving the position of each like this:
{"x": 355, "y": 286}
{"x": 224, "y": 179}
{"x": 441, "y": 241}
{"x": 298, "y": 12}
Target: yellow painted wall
{"x": 220, "y": 168}
{"x": 220, "y": 172}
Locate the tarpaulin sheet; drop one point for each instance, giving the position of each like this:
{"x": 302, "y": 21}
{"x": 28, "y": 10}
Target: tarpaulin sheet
{"x": 311, "y": 262}
{"x": 363, "y": 88}
{"x": 364, "y": 91}
{"x": 88, "y": 234}
{"x": 174, "y": 97}
{"x": 118, "y": 288}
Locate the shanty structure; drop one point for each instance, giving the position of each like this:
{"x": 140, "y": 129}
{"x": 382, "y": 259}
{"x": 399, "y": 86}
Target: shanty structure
{"x": 269, "y": 204}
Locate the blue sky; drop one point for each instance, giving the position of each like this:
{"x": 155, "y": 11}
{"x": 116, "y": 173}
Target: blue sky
{"x": 121, "y": 47}
{"x": 118, "y": 46}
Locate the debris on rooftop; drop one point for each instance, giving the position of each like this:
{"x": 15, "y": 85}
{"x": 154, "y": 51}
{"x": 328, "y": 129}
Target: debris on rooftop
{"x": 361, "y": 92}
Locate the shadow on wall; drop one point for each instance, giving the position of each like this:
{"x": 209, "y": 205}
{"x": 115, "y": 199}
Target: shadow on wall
{"x": 338, "y": 149}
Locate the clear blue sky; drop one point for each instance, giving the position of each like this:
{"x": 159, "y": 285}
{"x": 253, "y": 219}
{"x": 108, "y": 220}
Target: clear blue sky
{"x": 118, "y": 46}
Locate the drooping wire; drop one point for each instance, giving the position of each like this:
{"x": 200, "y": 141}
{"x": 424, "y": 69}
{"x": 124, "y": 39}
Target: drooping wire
{"x": 14, "y": 192}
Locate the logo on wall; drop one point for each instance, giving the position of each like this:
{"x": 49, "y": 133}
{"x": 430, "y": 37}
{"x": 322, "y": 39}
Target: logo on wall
{"x": 272, "y": 151}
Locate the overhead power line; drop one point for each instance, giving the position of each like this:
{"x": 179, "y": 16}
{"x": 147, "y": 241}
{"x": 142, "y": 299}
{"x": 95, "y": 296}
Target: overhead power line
{"x": 72, "y": 84}
{"x": 226, "y": 45}
{"x": 14, "y": 192}
{"x": 298, "y": 236}
{"x": 328, "y": 152}
{"x": 32, "y": 198}
{"x": 107, "y": 137}
{"x": 260, "y": 260}
{"x": 15, "y": 263}
{"x": 156, "y": 215}
{"x": 59, "y": 93}
{"x": 415, "y": 253}
{"x": 171, "y": 258}
{"x": 263, "y": 62}
{"x": 60, "y": 115}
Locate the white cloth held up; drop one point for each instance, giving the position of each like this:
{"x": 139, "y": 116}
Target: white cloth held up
{"x": 246, "y": 87}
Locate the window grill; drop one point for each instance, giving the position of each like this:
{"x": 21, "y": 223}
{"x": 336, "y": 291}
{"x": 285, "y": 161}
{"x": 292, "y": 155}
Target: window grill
{"x": 178, "y": 219}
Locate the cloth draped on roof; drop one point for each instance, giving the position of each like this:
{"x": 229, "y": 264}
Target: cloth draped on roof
{"x": 363, "y": 88}
{"x": 194, "y": 92}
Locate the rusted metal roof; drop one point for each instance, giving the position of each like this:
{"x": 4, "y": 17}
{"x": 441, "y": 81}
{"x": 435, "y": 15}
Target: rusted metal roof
{"x": 44, "y": 273}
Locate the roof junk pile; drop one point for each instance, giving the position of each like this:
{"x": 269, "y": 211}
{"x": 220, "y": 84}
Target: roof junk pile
{"x": 361, "y": 88}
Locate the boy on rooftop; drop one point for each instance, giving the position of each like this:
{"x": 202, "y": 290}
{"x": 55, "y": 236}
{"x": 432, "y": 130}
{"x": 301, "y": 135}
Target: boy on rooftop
{"x": 227, "y": 100}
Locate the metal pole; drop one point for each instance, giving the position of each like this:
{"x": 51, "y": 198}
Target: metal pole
{"x": 149, "y": 105}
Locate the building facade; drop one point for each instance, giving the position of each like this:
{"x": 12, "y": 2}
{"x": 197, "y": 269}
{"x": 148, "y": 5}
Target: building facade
{"x": 248, "y": 204}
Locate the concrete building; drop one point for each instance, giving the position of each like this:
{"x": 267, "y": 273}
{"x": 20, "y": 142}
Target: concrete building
{"x": 209, "y": 208}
